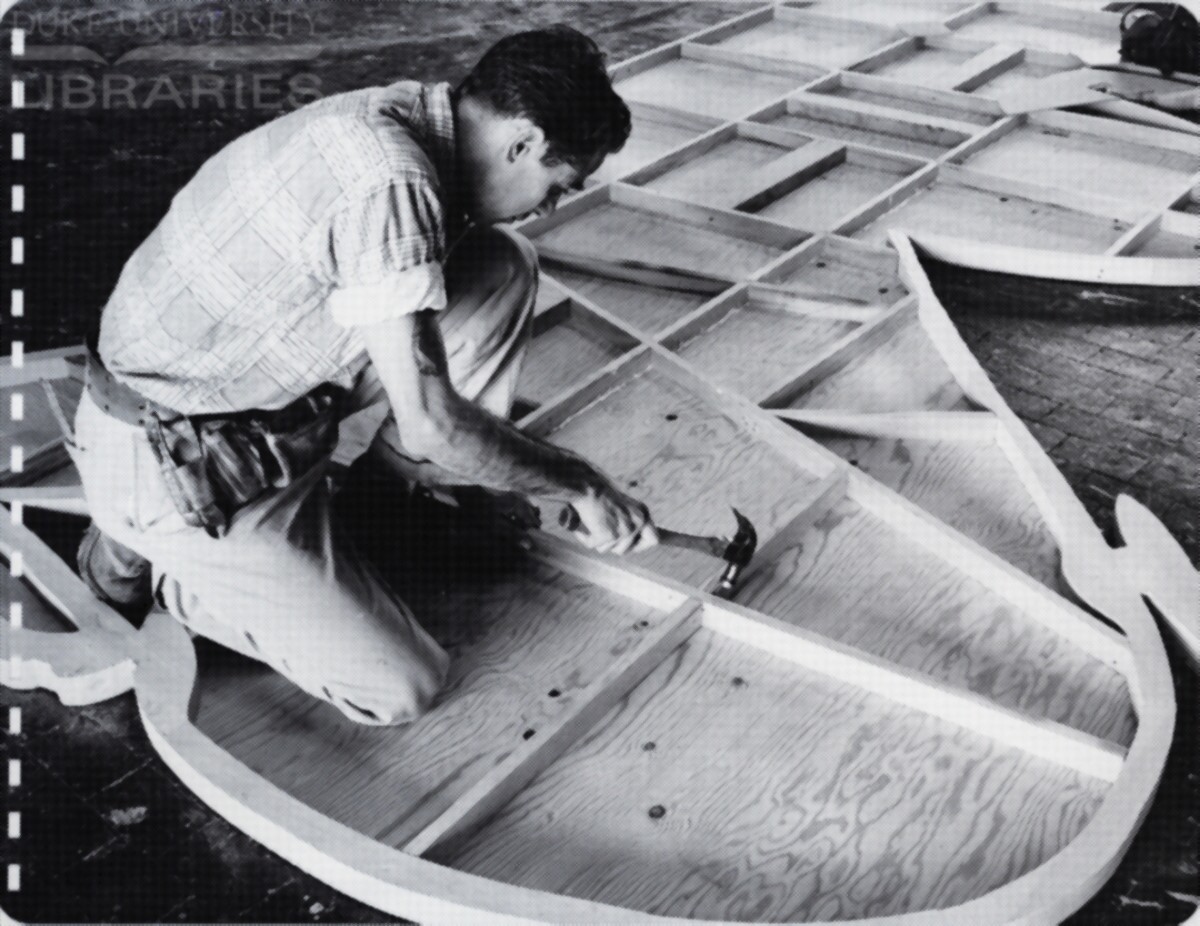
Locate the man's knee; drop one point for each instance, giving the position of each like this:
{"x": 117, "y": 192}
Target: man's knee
{"x": 116, "y": 575}
{"x": 401, "y": 700}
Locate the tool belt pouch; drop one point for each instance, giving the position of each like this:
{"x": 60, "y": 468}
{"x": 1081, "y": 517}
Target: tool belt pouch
{"x": 180, "y": 456}
{"x": 213, "y": 466}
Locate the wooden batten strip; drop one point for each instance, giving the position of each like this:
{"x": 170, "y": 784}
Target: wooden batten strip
{"x": 1046, "y": 739}
{"x": 710, "y": 54}
{"x": 896, "y": 122}
{"x": 631, "y": 271}
{"x": 736, "y": 224}
{"x": 780, "y": 177}
{"x": 884, "y": 113}
{"x": 970, "y": 14}
{"x": 555, "y": 411}
{"x": 840, "y": 353}
{"x": 1161, "y": 218}
{"x": 886, "y": 201}
{"x": 979, "y": 69}
{"x": 508, "y": 778}
{"x": 801, "y": 302}
{"x": 969, "y": 427}
{"x": 67, "y": 499}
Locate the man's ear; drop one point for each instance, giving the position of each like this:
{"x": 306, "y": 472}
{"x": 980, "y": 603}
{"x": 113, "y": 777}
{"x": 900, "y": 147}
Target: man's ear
{"x": 527, "y": 138}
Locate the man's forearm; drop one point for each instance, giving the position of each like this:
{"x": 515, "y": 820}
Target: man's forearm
{"x": 482, "y": 449}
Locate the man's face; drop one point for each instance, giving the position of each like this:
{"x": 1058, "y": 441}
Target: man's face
{"x": 518, "y": 183}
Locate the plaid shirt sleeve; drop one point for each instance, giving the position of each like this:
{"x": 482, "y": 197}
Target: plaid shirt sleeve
{"x": 387, "y": 249}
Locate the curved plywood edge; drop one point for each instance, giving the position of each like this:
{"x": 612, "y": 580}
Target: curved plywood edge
{"x": 65, "y": 498}
{"x": 92, "y": 663}
{"x": 1158, "y": 566}
{"x": 1091, "y": 569}
{"x": 1058, "y": 265}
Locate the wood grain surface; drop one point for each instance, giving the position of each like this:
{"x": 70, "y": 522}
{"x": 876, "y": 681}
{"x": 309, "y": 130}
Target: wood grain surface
{"x": 36, "y": 612}
{"x": 563, "y": 354}
{"x": 706, "y": 88}
{"x": 523, "y": 645}
{"x": 968, "y": 484}
{"x": 826, "y": 126}
{"x": 926, "y": 65}
{"x": 841, "y": 272}
{"x": 1074, "y": 160}
{"x": 649, "y": 309}
{"x": 1015, "y": 78}
{"x": 903, "y": 373}
{"x": 824, "y": 202}
{"x": 707, "y": 177}
{"x": 854, "y": 578}
{"x": 890, "y": 12}
{"x": 754, "y": 347}
{"x": 909, "y": 104}
{"x": 689, "y": 462}
{"x": 1088, "y": 40}
{"x": 950, "y": 208}
{"x": 622, "y": 233}
{"x": 729, "y": 786}
{"x": 652, "y": 135}
{"x": 826, "y": 43}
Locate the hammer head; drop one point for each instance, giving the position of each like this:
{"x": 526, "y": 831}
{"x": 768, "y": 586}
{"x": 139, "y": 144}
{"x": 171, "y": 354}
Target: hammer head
{"x": 737, "y": 555}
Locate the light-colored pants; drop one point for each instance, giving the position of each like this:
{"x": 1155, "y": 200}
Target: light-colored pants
{"x": 283, "y": 586}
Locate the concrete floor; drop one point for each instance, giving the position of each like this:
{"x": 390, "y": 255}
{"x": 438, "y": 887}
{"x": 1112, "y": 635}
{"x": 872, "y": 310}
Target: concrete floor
{"x": 1105, "y": 378}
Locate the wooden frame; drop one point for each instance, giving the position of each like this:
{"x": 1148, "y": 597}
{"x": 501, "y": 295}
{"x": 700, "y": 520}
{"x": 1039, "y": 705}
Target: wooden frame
{"x": 815, "y": 487}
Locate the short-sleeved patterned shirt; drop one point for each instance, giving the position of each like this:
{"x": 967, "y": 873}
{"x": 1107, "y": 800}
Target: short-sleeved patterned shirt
{"x": 249, "y": 292}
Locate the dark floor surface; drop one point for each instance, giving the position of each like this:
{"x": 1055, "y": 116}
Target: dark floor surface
{"x": 1106, "y": 379}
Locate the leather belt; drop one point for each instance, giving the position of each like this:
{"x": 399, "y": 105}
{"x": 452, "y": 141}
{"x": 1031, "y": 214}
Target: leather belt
{"x": 117, "y": 399}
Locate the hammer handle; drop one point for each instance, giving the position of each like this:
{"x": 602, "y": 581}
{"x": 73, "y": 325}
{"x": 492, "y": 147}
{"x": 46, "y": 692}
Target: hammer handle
{"x": 714, "y": 546}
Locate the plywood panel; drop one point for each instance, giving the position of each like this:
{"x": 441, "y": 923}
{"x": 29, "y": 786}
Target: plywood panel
{"x": 1169, "y": 244}
{"x": 705, "y": 88}
{"x": 948, "y": 208}
{"x": 969, "y": 485}
{"x": 824, "y": 202}
{"x": 903, "y": 373}
{"x": 36, "y": 612}
{"x": 562, "y": 354}
{"x": 889, "y": 11}
{"x": 38, "y": 431}
{"x": 1090, "y": 41}
{"x": 1073, "y": 160}
{"x": 858, "y": 134}
{"x": 689, "y": 462}
{"x": 927, "y": 66}
{"x": 648, "y": 308}
{"x": 754, "y": 347}
{"x": 1014, "y": 78}
{"x": 909, "y": 104}
{"x": 651, "y": 137}
{"x": 618, "y": 232}
{"x": 824, "y": 43}
{"x": 705, "y": 178}
{"x": 730, "y": 787}
{"x": 838, "y": 273}
{"x": 855, "y": 579}
{"x": 514, "y": 638}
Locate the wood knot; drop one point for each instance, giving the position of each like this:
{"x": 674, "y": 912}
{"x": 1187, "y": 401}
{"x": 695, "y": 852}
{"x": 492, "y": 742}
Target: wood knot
{"x": 657, "y": 812}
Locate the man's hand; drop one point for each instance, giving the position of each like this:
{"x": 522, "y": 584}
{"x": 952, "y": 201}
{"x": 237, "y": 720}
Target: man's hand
{"x": 612, "y": 522}
{"x": 439, "y": 427}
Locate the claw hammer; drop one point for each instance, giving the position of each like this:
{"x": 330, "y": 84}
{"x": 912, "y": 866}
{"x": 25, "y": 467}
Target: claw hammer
{"x": 736, "y": 552}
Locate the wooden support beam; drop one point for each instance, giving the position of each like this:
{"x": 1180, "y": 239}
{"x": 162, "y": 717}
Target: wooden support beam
{"x": 979, "y": 69}
{"x": 65, "y": 498}
{"x": 501, "y": 784}
{"x": 780, "y": 177}
{"x": 710, "y": 54}
{"x": 839, "y": 354}
{"x": 971, "y": 427}
{"x": 631, "y": 271}
{"x": 1046, "y": 739}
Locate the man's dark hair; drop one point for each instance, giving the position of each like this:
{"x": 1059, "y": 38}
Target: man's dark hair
{"x": 555, "y": 78}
